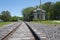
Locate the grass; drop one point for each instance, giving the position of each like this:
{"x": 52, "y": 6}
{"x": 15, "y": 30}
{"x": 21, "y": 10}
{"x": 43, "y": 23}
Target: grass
{"x": 4, "y": 23}
{"x": 47, "y": 22}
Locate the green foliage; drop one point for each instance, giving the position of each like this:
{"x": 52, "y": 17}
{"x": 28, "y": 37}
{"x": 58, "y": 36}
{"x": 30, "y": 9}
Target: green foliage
{"x": 5, "y": 15}
{"x": 4, "y": 23}
{"x": 27, "y": 13}
{"x": 48, "y": 6}
{"x": 0, "y": 16}
{"x": 36, "y": 19}
{"x": 57, "y": 10}
{"x": 52, "y": 11}
{"x": 14, "y": 18}
{"x": 20, "y": 18}
{"x": 47, "y": 22}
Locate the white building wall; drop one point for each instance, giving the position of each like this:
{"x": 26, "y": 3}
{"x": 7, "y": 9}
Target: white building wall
{"x": 35, "y": 15}
{"x": 43, "y": 17}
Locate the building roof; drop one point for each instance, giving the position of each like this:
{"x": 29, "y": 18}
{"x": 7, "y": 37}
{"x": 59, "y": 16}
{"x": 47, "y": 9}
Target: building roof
{"x": 38, "y": 9}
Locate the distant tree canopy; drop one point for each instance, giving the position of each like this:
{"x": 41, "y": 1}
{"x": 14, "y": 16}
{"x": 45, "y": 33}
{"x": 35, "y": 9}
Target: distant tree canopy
{"x": 27, "y": 13}
{"x": 5, "y": 15}
{"x": 14, "y": 18}
{"x": 52, "y": 11}
{"x": 57, "y": 10}
{"x": 20, "y": 18}
{"x": 48, "y": 6}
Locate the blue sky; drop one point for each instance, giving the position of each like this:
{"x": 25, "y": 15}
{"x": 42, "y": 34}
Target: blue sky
{"x": 15, "y": 6}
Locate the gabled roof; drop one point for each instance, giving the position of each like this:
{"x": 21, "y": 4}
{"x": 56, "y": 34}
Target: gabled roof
{"x": 38, "y": 9}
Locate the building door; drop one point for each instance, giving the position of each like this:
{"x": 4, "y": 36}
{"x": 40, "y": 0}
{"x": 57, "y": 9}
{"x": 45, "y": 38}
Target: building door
{"x": 38, "y": 16}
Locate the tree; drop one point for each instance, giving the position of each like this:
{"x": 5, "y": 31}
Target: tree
{"x": 48, "y": 7}
{"x": 57, "y": 10}
{"x": 0, "y": 16}
{"x": 14, "y": 18}
{"x": 20, "y": 18}
{"x": 5, "y": 15}
{"x": 27, "y": 13}
{"x": 52, "y": 11}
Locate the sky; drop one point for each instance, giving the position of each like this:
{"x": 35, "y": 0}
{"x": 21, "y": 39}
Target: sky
{"x": 15, "y": 7}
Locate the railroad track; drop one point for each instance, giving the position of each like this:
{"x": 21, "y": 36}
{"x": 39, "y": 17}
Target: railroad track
{"x": 36, "y": 32}
{"x": 8, "y": 31}
{"x": 22, "y": 31}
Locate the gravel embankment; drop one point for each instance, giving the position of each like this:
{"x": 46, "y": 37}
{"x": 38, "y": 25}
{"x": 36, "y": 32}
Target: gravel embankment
{"x": 7, "y": 29}
{"x": 22, "y": 33}
{"x": 51, "y": 32}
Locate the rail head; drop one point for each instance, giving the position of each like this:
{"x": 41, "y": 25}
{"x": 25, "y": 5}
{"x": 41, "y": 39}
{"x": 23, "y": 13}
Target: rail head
{"x": 8, "y": 31}
{"x": 35, "y": 34}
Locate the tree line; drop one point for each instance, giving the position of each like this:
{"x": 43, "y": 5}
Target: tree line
{"x": 6, "y": 16}
{"x": 52, "y": 11}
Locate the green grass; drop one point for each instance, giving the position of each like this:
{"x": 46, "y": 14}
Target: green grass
{"x": 4, "y": 23}
{"x": 47, "y": 22}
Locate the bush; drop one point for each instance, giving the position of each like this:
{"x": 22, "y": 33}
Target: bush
{"x": 36, "y": 19}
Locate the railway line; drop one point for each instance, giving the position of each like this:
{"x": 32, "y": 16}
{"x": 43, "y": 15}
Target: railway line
{"x": 21, "y": 31}
{"x": 29, "y": 31}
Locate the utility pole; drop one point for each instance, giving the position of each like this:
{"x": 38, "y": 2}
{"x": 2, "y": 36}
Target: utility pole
{"x": 40, "y": 2}
{"x": 40, "y": 12}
